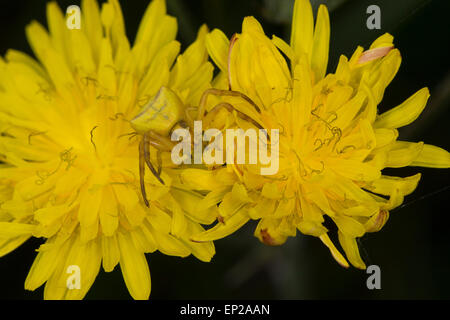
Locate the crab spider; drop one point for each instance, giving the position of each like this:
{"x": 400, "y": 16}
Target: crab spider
{"x": 160, "y": 116}
{"x": 154, "y": 123}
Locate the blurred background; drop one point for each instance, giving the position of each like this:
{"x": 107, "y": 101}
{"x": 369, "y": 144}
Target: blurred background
{"x": 412, "y": 250}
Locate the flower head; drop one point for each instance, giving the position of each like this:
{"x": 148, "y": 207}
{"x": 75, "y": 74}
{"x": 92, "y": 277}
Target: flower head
{"x": 69, "y": 170}
{"x": 333, "y": 144}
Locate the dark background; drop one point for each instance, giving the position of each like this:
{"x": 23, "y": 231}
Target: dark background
{"x": 413, "y": 249}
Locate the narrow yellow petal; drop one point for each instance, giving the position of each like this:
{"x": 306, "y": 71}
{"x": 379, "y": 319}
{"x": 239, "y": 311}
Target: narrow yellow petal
{"x": 179, "y": 221}
{"x": 9, "y": 244}
{"x": 203, "y": 251}
{"x": 405, "y": 113}
{"x": 223, "y": 229}
{"x": 354, "y": 170}
{"x": 385, "y": 136}
{"x": 385, "y": 40}
{"x": 386, "y": 184}
{"x": 160, "y": 65}
{"x": 302, "y": 28}
{"x": 48, "y": 215}
{"x": 396, "y": 198}
{"x": 142, "y": 241}
{"x": 302, "y": 98}
{"x": 377, "y": 221}
{"x": 106, "y": 74}
{"x": 432, "y": 157}
{"x": 268, "y": 232}
{"x": 109, "y": 213}
{"x": 350, "y": 247}
{"x": 167, "y": 243}
{"x": 310, "y": 211}
{"x": 86, "y": 256}
{"x": 403, "y": 154}
{"x": 321, "y": 43}
{"x": 23, "y": 58}
{"x": 334, "y": 252}
{"x": 284, "y": 47}
{"x": 349, "y": 110}
{"x": 250, "y": 24}
{"x": 92, "y": 26}
{"x": 199, "y": 209}
{"x": 311, "y": 228}
{"x": 217, "y": 45}
{"x": 13, "y": 229}
{"x": 110, "y": 253}
{"x": 134, "y": 268}
{"x": 89, "y": 207}
{"x": 44, "y": 265}
{"x": 57, "y": 29}
{"x": 349, "y": 226}
{"x": 149, "y": 23}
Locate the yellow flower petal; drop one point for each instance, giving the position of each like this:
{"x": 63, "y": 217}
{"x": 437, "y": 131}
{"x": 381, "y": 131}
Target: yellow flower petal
{"x": 155, "y": 11}
{"x": 203, "y": 251}
{"x": 268, "y": 232}
{"x": 87, "y": 256}
{"x": 284, "y": 47}
{"x": 110, "y": 253}
{"x": 167, "y": 243}
{"x": 386, "y": 184}
{"x": 311, "y": 228}
{"x": 223, "y": 229}
{"x": 109, "y": 213}
{"x": 405, "y": 113}
{"x": 57, "y": 28}
{"x": 12, "y": 229}
{"x": 385, "y": 136}
{"x": 89, "y": 207}
{"x": 44, "y": 265}
{"x": 10, "y": 244}
{"x": 432, "y": 157}
{"x": 302, "y": 28}
{"x": 142, "y": 241}
{"x": 302, "y": 98}
{"x": 217, "y": 44}
{"x": 351, "y": 250}
{"x": 321, "y": 43}
{"x": 349, "y": 226}
{"x": 354, "y": 170}
{"x": 134, "y": 268}
{"x": 403, "y": 154}
{"x": 92, "y": 25}
{"x": 377, "y": 221}
{"x": 334, "y": 252}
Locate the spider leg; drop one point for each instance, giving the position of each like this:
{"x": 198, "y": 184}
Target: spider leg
{"x": 158, "y": 141}
{"x": 159, "y": 159}
{"x": 147, "y": 140}
{"x": 217, "y": 92}
{"x": 142, "y": 172}
{"x": 230, "y": 108}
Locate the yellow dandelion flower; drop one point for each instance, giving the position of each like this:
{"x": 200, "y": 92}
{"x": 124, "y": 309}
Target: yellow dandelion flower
{"x": 333, "y": 145}
{"x": 69, "y": 167}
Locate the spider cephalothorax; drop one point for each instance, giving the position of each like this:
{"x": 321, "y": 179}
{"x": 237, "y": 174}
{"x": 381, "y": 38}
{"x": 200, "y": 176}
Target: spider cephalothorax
{"x": 154, "y": 123}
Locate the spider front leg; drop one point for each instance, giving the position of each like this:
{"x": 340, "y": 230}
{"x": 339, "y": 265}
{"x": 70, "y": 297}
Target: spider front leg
{"x": 230, "y": 109}
{"x": 142, "y": 171}
{"x": 146, "y": 140}
{"x": 159, "y": 160}
{"x": 218, "y": 92}
{"x": 144, "y": 158}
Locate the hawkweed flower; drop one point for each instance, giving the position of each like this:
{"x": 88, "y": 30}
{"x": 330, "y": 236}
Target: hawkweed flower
{"x": 333, "y": 144}
{"x": 69, "y": 158}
